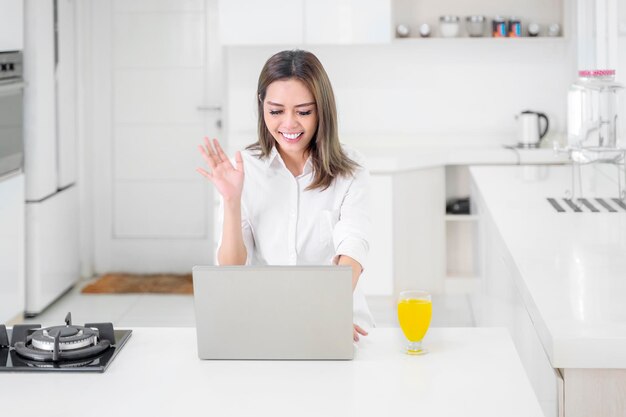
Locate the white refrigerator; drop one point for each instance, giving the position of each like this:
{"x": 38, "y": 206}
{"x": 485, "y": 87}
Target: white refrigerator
{"x": 50, "y": 151}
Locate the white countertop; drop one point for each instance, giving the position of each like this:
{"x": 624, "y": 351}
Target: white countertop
{"x": 572, "y": 266}
{"x": 389, "y": 160}
{"x": 468, "y": 372}
{"x": 388, "y": 154}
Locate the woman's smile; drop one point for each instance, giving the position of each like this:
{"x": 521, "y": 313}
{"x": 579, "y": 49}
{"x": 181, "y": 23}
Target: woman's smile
{"x": 292, "y": 137}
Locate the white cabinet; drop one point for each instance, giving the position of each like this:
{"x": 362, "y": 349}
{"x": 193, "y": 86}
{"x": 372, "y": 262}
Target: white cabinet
{"x": 11, "y": 25}
{"x": 11, "y": 247}
{"x": 419, "y": 230}
{"x": 499, "y": 303}
{"x": 347, "y": 21}
{"x": 377, "y": 277}
{"x": 407, "y": 243}
{"x": 249, "y": 22}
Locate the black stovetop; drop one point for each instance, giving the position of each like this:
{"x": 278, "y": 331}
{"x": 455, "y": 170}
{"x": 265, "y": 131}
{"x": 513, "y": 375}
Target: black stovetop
{"x": 13, "y": 343}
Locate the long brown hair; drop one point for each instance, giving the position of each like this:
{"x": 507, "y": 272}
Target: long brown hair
{"x": 328, "y": 158}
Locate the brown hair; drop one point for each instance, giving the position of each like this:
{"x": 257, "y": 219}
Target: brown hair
{"x": 328, "y": 158}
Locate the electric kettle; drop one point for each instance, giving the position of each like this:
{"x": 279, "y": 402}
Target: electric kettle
{"x": 529, "y": 128}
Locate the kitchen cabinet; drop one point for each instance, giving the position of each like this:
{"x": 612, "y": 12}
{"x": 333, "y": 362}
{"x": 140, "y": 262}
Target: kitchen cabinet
{"x": 263, "y": 23}
{"x": 11, "y": 25}
{"x": 377, "y": 277}
{"x": 555, "y": 280}
{"x": 407, "y": 248}
{"x": 11, "y": 246}
{"x": 499, "y": 303}
{"x": 310, "y": 22}
{"x": 414, "y": 244}
{"x": 347, "y": 21}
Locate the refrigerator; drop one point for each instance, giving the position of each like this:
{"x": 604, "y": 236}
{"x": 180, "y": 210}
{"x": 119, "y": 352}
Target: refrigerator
{"x": 50, "y": 151}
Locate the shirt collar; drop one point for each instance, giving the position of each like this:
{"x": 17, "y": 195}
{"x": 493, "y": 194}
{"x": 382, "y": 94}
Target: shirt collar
{"x": 274, "y": 156}
{"x": 276, "y": 160}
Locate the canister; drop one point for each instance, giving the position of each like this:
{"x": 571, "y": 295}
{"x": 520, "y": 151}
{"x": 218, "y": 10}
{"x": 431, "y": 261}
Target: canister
{"x": 498, "y": 27}
{"x": 515, "y": 28}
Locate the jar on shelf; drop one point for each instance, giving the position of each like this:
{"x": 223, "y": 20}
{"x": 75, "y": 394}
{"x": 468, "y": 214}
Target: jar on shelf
{"x": 475, "y": 25}
{"x": 449, "y": 26}
{"x": 594, "y": 104}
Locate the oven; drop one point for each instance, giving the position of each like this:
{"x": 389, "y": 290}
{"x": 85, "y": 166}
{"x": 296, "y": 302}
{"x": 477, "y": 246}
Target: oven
{"x": 11, "y": 112}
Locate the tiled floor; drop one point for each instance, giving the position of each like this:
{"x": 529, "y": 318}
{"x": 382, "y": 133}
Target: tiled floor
{"x": 149, "y": 310}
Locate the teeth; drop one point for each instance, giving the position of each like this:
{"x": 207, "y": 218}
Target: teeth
{"x": 291, "y": 135}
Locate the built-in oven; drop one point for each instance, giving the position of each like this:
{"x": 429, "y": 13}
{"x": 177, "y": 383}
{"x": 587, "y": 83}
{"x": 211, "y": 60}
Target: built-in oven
{"x": 11, "y": 112}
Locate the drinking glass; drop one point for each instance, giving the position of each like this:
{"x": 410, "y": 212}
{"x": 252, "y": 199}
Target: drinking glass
{"x": 414, "y": 312}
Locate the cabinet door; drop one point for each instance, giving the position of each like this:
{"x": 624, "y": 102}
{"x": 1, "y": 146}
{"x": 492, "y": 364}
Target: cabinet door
{"x": 66, "y": 94}
{"x": 419, "y": 230}
{"x": 377, "y": 278}
{"x": 250, "y": 22}
{"x": 11, "y": 247}
{"x": 11, "y": 25}
{"x": 347, "y": 21}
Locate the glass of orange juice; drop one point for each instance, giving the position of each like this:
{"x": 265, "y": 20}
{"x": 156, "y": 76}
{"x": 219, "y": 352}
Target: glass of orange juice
{"x": 415, "y": 309}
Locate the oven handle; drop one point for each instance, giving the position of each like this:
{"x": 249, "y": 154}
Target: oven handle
{"x": 11, "y": 88}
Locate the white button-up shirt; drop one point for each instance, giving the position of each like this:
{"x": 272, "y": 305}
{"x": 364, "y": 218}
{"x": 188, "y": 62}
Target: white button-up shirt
{"x": 285, "y": 224}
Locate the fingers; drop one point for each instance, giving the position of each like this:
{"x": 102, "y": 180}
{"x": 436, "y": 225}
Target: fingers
{"x": 209, "y": 147}
{"x": 204, "y": 173}
{"x": 358, "y": 330}
{"x": 239, "y": 161}
{"x": 220, "y": 152}
{"x": 207, "y": 157}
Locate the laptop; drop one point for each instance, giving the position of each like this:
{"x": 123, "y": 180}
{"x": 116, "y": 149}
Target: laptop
{"x": 274, "y": 312}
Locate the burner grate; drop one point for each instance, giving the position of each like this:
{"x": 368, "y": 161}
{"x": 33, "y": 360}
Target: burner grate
{"x": 88, "y": 348}
{"x": 584, "y": 205}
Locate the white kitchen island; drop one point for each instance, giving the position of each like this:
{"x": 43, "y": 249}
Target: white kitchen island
{"x": 468, "y": 372}
{"x": 558, "y": 281}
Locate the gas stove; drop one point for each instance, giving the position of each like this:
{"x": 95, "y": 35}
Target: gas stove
{"x": 65, "y": 348}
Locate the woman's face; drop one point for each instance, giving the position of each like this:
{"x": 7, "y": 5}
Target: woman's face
{"x": 290, "y": 115}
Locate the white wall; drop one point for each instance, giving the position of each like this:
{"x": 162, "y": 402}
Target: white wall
{"x": 462, "y": 91}
{"x": 621, "y": 43}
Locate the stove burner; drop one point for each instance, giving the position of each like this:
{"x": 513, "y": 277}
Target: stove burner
{"x": 63, "y": 343}
{"x": 71, "y": 337}
{"x": 69, "y": 348}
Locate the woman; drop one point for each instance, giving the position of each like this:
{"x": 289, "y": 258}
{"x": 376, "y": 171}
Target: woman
{"x": 303, "y": 198}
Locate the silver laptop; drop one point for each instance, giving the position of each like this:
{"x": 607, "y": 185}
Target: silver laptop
{"x": 273, "y": 312}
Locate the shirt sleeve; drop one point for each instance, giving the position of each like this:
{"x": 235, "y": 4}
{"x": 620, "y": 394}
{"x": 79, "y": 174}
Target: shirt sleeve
{"x": 351, "y": 233}
{"x": 246, "y": 229}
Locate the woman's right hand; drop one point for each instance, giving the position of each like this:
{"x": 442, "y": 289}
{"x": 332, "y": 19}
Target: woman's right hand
{"x": 227, "y": 179}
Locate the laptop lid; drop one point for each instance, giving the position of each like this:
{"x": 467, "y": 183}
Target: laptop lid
{"x": 273, "y": 312}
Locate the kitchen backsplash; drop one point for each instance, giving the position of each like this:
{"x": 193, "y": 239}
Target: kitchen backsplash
{"x": 458, "y": 90}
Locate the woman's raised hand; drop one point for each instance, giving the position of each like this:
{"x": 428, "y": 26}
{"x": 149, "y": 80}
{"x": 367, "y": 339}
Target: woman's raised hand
{"x": 228, "y": 179}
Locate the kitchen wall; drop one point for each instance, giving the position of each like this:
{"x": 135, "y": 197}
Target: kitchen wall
{"x": 455, "y": 91}
{"x": 464, "y": 91}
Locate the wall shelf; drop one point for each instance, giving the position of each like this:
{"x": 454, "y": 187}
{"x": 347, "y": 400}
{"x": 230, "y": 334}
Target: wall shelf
{"x": 485, "y": 39}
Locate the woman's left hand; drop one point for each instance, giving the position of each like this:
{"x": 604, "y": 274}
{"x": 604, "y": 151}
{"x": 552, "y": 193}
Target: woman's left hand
{"x": 357, "y": 331}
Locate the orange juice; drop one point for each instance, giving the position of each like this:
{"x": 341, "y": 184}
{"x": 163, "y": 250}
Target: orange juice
{"x": 414, "y": 317}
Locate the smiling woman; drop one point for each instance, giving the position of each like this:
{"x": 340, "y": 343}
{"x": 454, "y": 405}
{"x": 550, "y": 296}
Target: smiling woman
{"x": 302, "y": 197}
{"x": 300, "y": 78}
